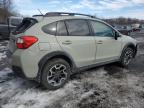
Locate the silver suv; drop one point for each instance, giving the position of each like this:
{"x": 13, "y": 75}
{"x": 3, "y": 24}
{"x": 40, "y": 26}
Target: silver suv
{"x": 50, "y": 48}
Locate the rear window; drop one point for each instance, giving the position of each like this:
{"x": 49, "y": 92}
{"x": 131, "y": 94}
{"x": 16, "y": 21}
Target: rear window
{"x": 50, "y": 28}
{"x": 26, "y": 24}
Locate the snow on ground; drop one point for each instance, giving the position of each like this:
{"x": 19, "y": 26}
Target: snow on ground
{"x": 103, "y": 87}
{"x": 95, "y": 88}
{"x": 3, "y": 50}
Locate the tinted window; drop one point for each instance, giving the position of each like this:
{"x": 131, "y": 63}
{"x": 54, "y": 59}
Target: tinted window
{"x": 50, "y": 28}
{"x": 101, "y": 29}
{"x": 61, "y": 29}
{"x": 77, "y": 28}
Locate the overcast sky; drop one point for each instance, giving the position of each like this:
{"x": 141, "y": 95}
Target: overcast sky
{"x": 100, "y": 8}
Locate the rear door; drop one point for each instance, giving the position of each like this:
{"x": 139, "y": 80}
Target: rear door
{"x": 74, "y": 38}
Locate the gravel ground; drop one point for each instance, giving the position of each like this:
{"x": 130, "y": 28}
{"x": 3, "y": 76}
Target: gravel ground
{"x": 108, "y": 86}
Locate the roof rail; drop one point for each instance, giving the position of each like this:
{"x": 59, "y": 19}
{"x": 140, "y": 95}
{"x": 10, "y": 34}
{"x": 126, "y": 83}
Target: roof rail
{"x": 36, "y": 15}
{"x": 49, "y": 14}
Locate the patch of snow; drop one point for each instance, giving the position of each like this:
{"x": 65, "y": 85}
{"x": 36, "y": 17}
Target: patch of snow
{"x": 95, "y": 87}
{"x": 32, "y": 98}
{"x": 87, "y": 94}
{"x": 104, "y": 87}
{"x": 2, "y": 56}
{"x": 5, "y": 72}
{"x": 2, "y": 52}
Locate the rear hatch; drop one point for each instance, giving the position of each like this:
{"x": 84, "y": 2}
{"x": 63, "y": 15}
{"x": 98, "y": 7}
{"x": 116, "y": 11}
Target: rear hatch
{"x": 19, "y": 31}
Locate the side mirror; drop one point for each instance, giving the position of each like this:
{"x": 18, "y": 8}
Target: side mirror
{"x": 116, "y": 35}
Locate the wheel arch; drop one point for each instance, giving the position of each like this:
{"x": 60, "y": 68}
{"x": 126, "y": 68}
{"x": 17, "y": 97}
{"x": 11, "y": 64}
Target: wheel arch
{"x": 130, "y": 45}
{"x": 53, "y": 55}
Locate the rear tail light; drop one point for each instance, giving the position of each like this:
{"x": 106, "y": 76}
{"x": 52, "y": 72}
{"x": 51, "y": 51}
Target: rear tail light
{"x": 25, "y": 42}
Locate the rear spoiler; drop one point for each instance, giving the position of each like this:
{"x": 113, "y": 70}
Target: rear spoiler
{"x": 30, "y": 18}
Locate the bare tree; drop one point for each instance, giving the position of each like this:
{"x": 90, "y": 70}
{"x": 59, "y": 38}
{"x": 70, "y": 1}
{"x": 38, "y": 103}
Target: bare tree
{"x": 123, "y": 21}
{"x": 6, "y": 9}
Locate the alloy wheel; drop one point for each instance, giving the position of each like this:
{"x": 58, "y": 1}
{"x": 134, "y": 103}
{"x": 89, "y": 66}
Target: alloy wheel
{"x": 57, "y": 75}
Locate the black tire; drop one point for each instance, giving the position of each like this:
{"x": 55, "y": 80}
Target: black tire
{"x": 126, "y": 57}
{"x": 52, "y": 73}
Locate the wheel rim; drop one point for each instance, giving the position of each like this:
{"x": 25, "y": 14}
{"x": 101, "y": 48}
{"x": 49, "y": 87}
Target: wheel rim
{"x": 128, "y": 57}
{"x": 57, "y": 75}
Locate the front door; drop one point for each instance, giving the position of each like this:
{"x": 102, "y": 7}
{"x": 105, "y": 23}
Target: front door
{"x": 108, "y": 48}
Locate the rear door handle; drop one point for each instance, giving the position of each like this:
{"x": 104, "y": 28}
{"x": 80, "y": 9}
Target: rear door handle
{"x": 67, "y": 42}
{"x": 100, "y": 42}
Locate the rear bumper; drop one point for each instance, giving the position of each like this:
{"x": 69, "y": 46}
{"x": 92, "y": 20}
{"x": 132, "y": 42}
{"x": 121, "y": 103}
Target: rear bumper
{"x": 20, "y": 73}
{"x": 24, "y": 62}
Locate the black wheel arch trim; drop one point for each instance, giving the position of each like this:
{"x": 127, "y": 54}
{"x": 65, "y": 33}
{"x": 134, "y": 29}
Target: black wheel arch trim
{"x": 56, "y": 54}
{"x": 132, "y": 46}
